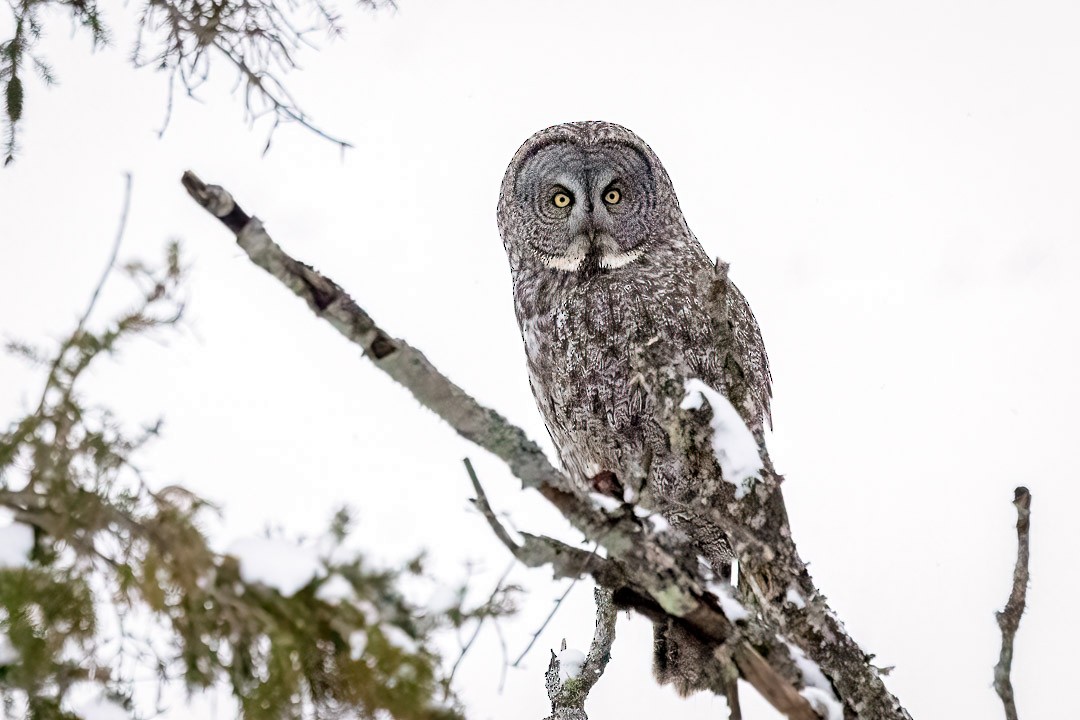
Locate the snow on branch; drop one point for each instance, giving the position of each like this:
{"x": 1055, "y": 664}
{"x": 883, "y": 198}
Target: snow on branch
{"x": 732, "y": 442}
{"x": 646, "y": 569}
{"x": 572, "y": 674}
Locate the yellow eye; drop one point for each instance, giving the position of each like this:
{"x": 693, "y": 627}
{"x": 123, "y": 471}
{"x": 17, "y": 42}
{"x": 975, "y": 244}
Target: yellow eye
{"x": 561, "y": 200}
{"x": 612, "y": 196}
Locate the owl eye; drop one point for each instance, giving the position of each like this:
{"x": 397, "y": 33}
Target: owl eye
{"x": 612, "y": 196}
{"x": 561, "y": 199}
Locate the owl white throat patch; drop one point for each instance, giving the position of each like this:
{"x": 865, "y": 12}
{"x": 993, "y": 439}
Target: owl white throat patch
{"x": 574, "y": 258}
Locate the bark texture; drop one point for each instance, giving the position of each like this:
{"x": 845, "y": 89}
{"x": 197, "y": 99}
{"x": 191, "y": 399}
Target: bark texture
{"x": 567, "y": 694}
{"x": 1009, "y": 618}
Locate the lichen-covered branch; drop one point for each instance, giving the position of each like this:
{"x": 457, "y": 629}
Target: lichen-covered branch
{"x": 568, "y": 683}
{"x": 603, "y": 638}
{"x": 647, "y": 569}
{"x": 537, "y": 551}
{"x": 568, "y": 561}
{"x": 1009, "y": 618}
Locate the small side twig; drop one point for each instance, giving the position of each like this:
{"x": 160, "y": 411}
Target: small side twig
{"x": 522, "y": 554}
{"x": 479, "y": 624}
{"x": 538, "y": 550}
{"x": 543, "y": 626}
{"x": 568, "y": 695}
{"x": 482, "y": 504}
{"x": 1009, "y": 618}
{"x": 505, "y": 657}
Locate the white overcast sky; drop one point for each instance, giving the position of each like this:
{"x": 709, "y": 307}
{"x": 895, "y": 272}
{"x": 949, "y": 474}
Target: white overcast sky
{"x": 894, "y": 184}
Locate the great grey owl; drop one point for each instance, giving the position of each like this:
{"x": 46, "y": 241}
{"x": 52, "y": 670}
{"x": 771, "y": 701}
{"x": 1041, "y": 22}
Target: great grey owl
{"x": 603, "y": 264}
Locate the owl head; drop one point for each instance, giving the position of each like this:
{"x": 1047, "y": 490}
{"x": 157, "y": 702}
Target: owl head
{"x": 586, "y": 197}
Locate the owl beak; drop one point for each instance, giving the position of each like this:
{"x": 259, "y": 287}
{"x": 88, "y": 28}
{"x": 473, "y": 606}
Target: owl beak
{"x": 604, "y": 253}
{"x": 590, "y": 249}
{"x": 598, "y": 232}
{"x": 599, "y": 247}
{"x": 594, "y": 230}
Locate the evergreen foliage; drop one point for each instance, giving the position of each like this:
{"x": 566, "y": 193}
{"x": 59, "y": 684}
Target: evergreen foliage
{"x": 257, "y": 38}
{"x": 119, "y": 582}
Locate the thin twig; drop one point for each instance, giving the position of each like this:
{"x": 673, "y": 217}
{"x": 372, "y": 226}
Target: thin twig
{"x": 484, "y": 507}
{"x": 543, "y": 626}
{"x": 50, "y": 380}
{"x": 505, "y": 656}
{"x": 479, "y": 624}
{"x": 538, "y": 550}
{"x": 731, "y": 692}
{"x": 1009, "y": 618}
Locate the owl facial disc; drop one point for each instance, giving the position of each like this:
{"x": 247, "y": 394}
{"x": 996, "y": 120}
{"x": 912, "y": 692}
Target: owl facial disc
{"x": 583, "y": 199}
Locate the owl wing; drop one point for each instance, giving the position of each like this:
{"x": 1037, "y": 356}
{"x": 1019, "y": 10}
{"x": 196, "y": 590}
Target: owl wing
{"x": 747, "y": 349}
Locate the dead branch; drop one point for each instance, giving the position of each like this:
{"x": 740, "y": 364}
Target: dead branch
{"x": 568, "y": 694}
{"x": 484, "y": 507}
{"x": 1009, "y": 618}
{"x": 647, "y": 570}
{"x": 603, "y": 638}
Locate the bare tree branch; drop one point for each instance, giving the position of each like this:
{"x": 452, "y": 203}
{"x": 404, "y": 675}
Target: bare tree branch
{"x": 499, "y": 587}
{"x": 603, "y": 638}
{"x": 648, "y": 570}
{"x": 1009, "y": 618}
{"x": 482, "y": 504}
{"x": 568, "y": 694}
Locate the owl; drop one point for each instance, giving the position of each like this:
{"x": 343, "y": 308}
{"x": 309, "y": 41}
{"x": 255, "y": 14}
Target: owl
{"x": 604, "y": 265}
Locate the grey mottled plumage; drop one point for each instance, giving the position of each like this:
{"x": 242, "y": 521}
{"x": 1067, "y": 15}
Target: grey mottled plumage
{"x": 604, "y": 264}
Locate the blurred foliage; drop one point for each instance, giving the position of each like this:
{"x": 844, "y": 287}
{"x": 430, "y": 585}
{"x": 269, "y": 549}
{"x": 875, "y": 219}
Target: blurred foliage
{"x": 258, "y": 39}
{"x": 122, "y": 585}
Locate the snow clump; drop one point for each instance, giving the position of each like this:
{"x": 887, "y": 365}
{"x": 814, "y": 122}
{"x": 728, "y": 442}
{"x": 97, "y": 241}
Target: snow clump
{"x": 733, "y": 444}
{"x": 733, "y": 609}
{"x": 571, "y": 662}
{"x": 818, "y": 691}
{"x": 102, "y": 709}
{"x": 334, "y": 590}
{"x": 824, "y": 703}
{"x": 607, "y": 503}
{"x": 8, "y": 654}
{"x": 399, "y": 639}
{"x": 278, "y": 564}
{"x": 16, "y": 542}
{"x": 357, "y": 644}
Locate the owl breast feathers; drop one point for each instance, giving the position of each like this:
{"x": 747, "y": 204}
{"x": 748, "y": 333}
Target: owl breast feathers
{"x": 604, "y": 267}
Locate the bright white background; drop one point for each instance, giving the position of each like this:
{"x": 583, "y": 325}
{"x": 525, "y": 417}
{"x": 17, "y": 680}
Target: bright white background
{"x": 895, "y": 185}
